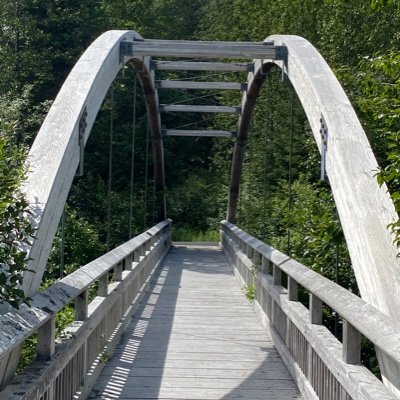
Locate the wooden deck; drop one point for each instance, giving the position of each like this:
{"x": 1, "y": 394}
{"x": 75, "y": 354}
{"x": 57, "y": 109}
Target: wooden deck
{"x": 195, "y": 337}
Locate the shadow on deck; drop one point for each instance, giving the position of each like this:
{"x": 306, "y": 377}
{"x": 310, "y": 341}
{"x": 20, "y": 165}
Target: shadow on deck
{"x": 195, "y": 337}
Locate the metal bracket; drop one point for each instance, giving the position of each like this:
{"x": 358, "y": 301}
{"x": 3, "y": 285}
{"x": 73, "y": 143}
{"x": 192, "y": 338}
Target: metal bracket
{"x": 324, "y": 146}
{"x": 250, "y": 67}
{"x": 125, "y": 48}
{"x": 263, "y": 69}
{"x": 281, "y": 53}
{"x": 82, "y": 130}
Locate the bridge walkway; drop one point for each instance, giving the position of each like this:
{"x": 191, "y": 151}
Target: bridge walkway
{"x": 195, "y": 336}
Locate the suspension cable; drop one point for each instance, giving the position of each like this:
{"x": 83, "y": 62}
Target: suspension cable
{"x": 268, "y": 130}
{"x": 110, "y": 159}
{"x": 62, "y": 245}
{"x": 146, "y": 175}
{"x": 132, "y": 156}
{"x": 290, "y": 196}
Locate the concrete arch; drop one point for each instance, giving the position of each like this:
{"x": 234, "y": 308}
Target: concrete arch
{"x": 54, "y": 156}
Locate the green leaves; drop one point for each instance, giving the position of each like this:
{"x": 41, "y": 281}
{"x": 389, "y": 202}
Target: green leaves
{"x": 15, "y": 229}
{"x": 377, "y": 96}
{"x": 377, "y": 5}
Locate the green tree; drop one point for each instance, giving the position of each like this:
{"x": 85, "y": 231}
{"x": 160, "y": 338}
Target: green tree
{"x": 15, "y": 229}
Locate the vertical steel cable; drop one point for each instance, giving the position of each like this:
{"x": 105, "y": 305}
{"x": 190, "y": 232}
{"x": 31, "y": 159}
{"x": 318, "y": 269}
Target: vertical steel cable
{"x": 132, "y": 157}
{"x": 268, "y": 130}
{"x": 290, "y": 196}
{"x": 62, "y": 246}
{"x": 146, "y": 175}
{"x": 110, "y": 159}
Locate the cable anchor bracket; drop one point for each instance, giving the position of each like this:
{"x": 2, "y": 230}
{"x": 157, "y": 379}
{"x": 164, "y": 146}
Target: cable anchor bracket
{"x": 324, "y": 147}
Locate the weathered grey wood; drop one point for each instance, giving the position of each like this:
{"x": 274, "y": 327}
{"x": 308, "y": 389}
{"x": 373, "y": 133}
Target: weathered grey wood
{"x": 81, "y": 306}
{"x": 28, "y": 320}
{"x": 198, "y": 133}
{"x": 368, "y": 320}
{"x": 372, "y": 323}
{"x": 201, "y": 66}
{"x": 128, "y": 262}
{"x": 198, "y": 108}
{"x": 265, "y": 265}
{"x": 351, "y": 344}
{"x": 55, "y": 154}
{"x": 197, "y": 49}
{"x": 118, "y": 272}
{"x": 351, "y": 168}
{"x": 293, "y": 289}
{"x": 46, "y": 339}
{"x": 315, "y": 309}
{"x": 277, "y": 275}
{"x": 103, "y": 285}
{"x": 206, "y": 352}
{"x": 200, "y": 85}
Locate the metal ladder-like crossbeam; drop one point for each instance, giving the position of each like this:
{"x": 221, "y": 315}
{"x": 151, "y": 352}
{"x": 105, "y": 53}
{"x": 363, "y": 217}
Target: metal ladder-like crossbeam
{"x": 204, "y": 50}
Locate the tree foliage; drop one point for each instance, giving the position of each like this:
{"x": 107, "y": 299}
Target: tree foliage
{"x": 15, "y": 228}
{"x": 40, "y": 41}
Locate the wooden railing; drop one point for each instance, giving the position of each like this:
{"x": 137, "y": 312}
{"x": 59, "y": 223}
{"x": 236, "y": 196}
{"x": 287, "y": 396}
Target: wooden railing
{"x": 323, "y": 367}
{"x": 67, "y": 367}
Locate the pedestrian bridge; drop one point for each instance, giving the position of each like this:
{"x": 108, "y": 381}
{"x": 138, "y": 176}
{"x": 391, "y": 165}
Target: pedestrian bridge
{"x": 160, "y": 321}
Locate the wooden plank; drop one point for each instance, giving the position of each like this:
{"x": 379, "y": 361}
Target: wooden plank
{"x": 168, "y": 84}
{"x": 206, "y": 353}
{"x": 198, "y": 108}
{"x": 201, "y": 66}
{"x": 197, "y": 49}
{"x": 198, "y": 133}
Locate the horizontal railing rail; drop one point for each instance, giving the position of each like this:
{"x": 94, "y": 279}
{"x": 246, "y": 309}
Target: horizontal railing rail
{"x": 323, "y": 367}
{"x": 67, "y": 367}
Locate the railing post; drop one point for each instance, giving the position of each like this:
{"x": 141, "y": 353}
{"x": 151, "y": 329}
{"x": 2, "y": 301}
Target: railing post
{"x": 103, "y": 286}
{"x": 46, "y": 337}
{"x": 128, "y": 262}
{"x": 315, "y": 310}
{"x": 276, "y": 275}
{"x": 148, "y": 244}
{"x": 293, "y": 289}
{"x": 249, "y": 252}
{"x": 351, "y": 344}
{"x": 81, "y": 306}
{"x": 264, "y": 265}
{"x": 136, "y": 255}
{"x": 256, "y": 260}
{"x": 118, "y": 272}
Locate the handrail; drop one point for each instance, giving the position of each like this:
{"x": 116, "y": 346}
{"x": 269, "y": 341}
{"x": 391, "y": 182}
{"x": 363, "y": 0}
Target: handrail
{"x": 360, "y": 318}
{"x": 131, "y": 264}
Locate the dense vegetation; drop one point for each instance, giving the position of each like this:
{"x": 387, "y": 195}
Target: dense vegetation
{"x": 282, "y": 199}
